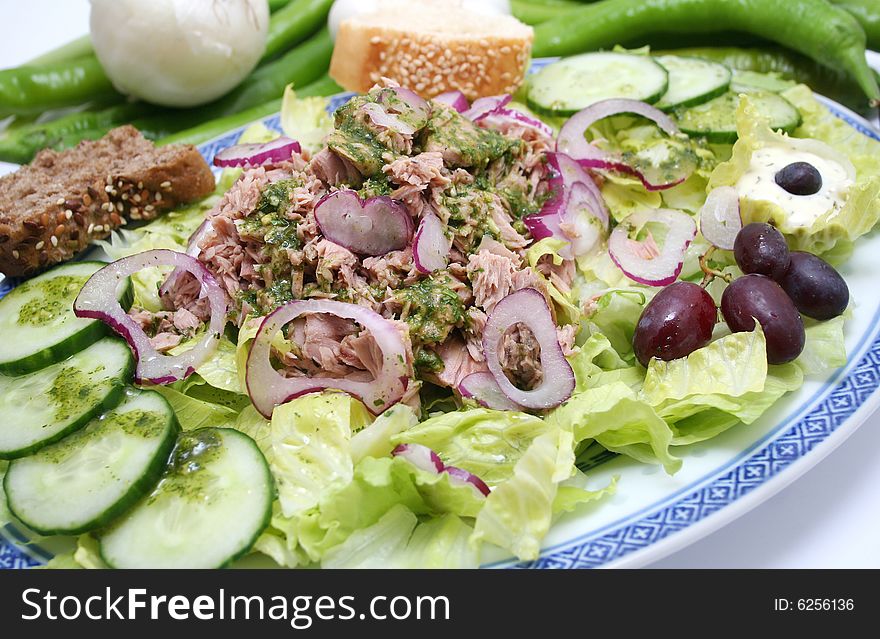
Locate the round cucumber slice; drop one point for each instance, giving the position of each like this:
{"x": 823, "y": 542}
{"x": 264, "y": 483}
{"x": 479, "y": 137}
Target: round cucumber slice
{"x": 42, "y": 407}
{"x": 37, "y": 320}
{"x": 565, "y": 87}
{"x": 716, "y": 120}
{"x": 213, "y": 501}
{"x": 91, "y": 477}
{"x": 692, "y": 81}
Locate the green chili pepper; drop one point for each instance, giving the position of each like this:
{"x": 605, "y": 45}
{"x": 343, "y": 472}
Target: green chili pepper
{"x": 38, "y": 88}
{"x": 294, "y": 23}
{"x": 22, "y": 143}
{"x": 204, "y": 132}
{"x": 538, "y": 11}
{"x": 867, "y": 12}
{"x": 73, "y": 50}
{"x": 819, "y": 30}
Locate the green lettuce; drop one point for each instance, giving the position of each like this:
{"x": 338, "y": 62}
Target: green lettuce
{"x": 311, "y": 455}
{"x": 195, "y": 413}
{"x": 305, "y": 119}
{"x": 519, "y": 511}
{"x": 824, "y": 349}
{"x": 374, "y": 440}
{"x": 831, "y": 234}
{"x": 485, "y": 442}
{"x": 220, "y": 370}
{"x": 614, "y": 314}
{"x": 616, "y": 417}
{"x": 573, "y": 493}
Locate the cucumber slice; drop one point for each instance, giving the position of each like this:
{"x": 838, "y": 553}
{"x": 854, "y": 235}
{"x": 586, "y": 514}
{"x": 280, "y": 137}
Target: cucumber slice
{"x": 213, "y": 501}
{"x": 44, "y": 406}
{"x": 94, "y": 475}
{"x": 752, "y": 81}
{"x": 37, "y": 320}
{"x": 716, "y": 120}
{"x": 566, "y": 87}
{"x": 692, "y": 81}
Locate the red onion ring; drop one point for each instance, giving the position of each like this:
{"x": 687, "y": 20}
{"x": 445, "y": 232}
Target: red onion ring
{"x": 420, "y": 457}
{"x": 430, "y": 245}
{"x": 374, "y": 226}
{"x": 529, "y": 307}
{"x": 483, "y": 388}
{"x": 454, "y": 99}
{"x": 502, "y": 116}
{"x": 97, "y": 300}
{"x": 720, "y": 218}
{"x": 461, "y": 476}
{"x": 484, "y": 106}
{"x": 381, "y": 117}
{"x": 267, "y": 388}
{"x": 642, "y": 260}
{"x": 277, "y": 150}
{"x": 193, "y": 250}
{"x": 571, "y": 139}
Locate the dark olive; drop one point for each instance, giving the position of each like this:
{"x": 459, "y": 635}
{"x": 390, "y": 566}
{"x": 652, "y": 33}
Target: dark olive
{"x": 799, "y": 178}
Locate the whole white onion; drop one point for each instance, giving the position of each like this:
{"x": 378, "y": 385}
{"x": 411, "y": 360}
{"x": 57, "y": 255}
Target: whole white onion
{"x": 178, "y": 52}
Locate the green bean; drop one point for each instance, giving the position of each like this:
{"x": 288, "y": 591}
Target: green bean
{"x": 819, "y": 30}
{"x": 204, "y": 132}
{"x": 867, "y": 12}
{"x": 73, "y": 50}
{"x": 294, "y": 23}
{"x": 534, "y": 12}
{"x": 37, "y": 88}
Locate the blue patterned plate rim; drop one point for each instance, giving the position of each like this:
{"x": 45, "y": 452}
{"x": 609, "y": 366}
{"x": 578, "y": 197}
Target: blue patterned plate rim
{"x": 843, "y": 402}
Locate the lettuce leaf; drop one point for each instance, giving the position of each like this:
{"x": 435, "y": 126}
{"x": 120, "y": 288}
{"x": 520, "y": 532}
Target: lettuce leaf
{"x": 195, "y": 413}
{"x": 442, "y": 542}
{"x": 573, "y": 493}
{"x": 824, "y": 349}
{"x": 220, "y": 369}
{"x": 311, "y": 454}
{"x": 305, "y": 119}
{"x": 377, "y": 486}
{"x": 374, "y": 440}
{"x": 615, "y": 416}
{"x": 831, "y": 234}
{"x": 485, "y": 442}
{"x": 518, "y": 513}
{"x": 615, "y": 315}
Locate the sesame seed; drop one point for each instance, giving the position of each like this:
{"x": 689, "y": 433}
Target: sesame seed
{"x": 149, "y": 207}
{"x": 140, "y": 185}
{"x": 136, "y": 197}
{"x": 124, "y": 196}
{"x": 16, "y": 254}
{"x": 98, "y": 228}
{"x": 108, "y": 188}
{"x": 158, "y": 196}
{"x": 123, "y": 221}
{"x": 40, "y": 245}
{"x": 119, "y": 184}
{"x": 90, "y": 229}
{"x": 166, "y": 184}
{"x": 59, "y": 201}
{"x": 119, "y": 206}
{"x": 68, "y": 214}
{"x": 54, "y": 240}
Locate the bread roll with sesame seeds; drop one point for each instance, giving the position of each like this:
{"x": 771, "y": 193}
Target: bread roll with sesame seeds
{"x": 432, "y": 47}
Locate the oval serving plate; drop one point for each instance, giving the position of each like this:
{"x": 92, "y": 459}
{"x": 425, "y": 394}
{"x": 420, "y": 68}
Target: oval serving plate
{"x": 654, "y": 514}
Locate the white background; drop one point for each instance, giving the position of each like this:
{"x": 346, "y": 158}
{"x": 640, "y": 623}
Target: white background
{"x": 829, "y": 518}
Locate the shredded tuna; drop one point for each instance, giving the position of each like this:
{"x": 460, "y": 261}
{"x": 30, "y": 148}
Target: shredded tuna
{"x": 520, "y": 357}
{"x": 415, "y": 174}
{"x": 457, "y": 363}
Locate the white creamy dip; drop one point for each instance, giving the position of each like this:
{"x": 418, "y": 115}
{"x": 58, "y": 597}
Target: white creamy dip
{"x": 758, "y": 183}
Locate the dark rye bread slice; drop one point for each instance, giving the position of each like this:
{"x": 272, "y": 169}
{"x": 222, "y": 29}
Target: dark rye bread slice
{"x": 56, "y": 206}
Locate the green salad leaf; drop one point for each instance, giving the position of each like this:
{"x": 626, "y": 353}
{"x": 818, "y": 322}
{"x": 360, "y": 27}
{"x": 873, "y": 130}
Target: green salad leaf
{"x": 305, "y": 119}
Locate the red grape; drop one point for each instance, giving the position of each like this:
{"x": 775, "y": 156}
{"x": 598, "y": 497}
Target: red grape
{"x": 761, "y": 248}
{"x": 815, "y": 287}
{"x": 756, "y": 297}
{"x": 674, "y": 324}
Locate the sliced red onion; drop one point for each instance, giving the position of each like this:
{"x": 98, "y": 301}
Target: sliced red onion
{"x": 528, "y": 306}
{"x": 546, "y": 224}
{"x": 454, "y": 99}
{"x": 483, "y": 388}
{"x": 268, "y": 388}
{"x": 462, "y": 477}
{"x": 193, "y": 250}
{"x": 580, "y": 223}
{"x": 571, "y": 172}
{"x": 374, "y": 226}
{"x": 277, "y": 150}
{"x": 643, "y": 260}
{"x": 484, "y": 106}
{"x": 98, "y": 300}
{"x": 421, "y": 110}
{"x": 572, "y": 141}
{"x": 503, "y": 116}
{"x": 420, "y": 457}
{"x": 430, "y": 245}
{"x": 720, "y": 219}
